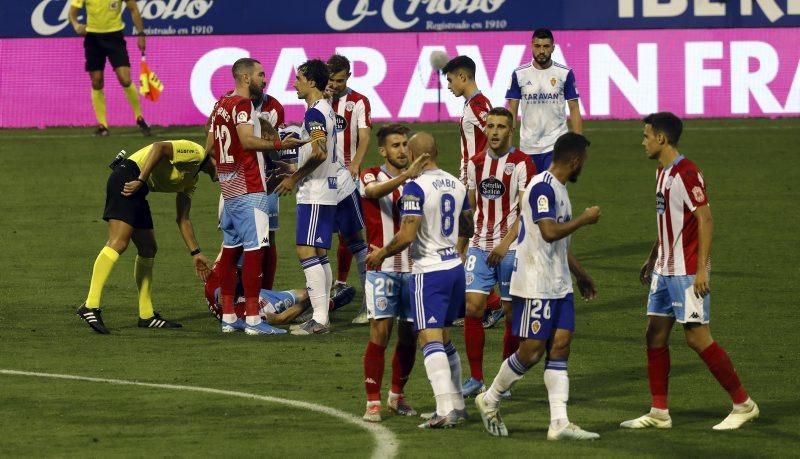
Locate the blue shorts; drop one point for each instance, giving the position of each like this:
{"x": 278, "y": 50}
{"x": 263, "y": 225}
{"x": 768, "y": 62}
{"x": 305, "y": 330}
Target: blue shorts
{"x": 438, "y": 297}
{"x": 273, "y": 210}
{"x": 315, "y": 225}
{"x": 481, "y": 277}
{"x": 388, "y": 295}
{"x": 273, "y": 302}
{"x": 244, "y": 221}
{"x": 534, "y": 318}
{"x": 349, "y": 217}
{"x": 673, "y": 296}
{"x": 542, "y": 161}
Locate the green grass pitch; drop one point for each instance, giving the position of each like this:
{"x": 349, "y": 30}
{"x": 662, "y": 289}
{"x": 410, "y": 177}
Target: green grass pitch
{"x": 51, "y": 202}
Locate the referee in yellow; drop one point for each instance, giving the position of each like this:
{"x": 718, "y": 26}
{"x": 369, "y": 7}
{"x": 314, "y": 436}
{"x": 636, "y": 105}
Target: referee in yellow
{"x": 169, "y": 167}
{"x": 105, "y": 40}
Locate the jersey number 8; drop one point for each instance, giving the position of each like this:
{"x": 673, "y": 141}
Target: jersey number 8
{"x": 448, "y": 208}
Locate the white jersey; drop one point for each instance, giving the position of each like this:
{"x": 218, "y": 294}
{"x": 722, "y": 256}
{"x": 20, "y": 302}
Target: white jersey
{"x": 319, "y": 187}
{"x": 439, "y": 198}
{"x": 542, "y": 96}
{"x": 345, "y": 183}
{"x": 542, "y": 268}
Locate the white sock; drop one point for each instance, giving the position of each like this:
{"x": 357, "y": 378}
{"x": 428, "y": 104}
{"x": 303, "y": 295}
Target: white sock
{"x": 229, "y": 318}
{"x": 438, "y": 370}
{"x": 317, "y": 288}
{"x": 557, "y": 383}
{"x": 455, "y": 374}
{"x": 659, "y": 413}
{"x": 326, "y": 265}
{"x": 511, "y": 371}
{"x": 253, "y": 320}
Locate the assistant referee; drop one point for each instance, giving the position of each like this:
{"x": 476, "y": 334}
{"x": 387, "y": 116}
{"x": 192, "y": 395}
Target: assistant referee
{"x": 105, "y": 40}
{"x": 169, "y": 167}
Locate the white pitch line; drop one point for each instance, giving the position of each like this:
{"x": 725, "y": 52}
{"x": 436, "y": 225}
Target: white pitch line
{"x": 386, "y": 443}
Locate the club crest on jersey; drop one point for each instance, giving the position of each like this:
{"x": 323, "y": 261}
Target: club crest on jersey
{"x": 381, "y": 303}
{"x": 369, "y": 177}
{"x": 553, "y": 82}
{"x": 699, "y": 196}
{"x": 349, "y": 106}
{"x": 542, "y": 204}
{"x": 491, "y": 188}
{"x": 242, "y": 117}
{"x": 509, "y": 169}
{"x": 536, "y": 326}
{"x": 341, "y": 123}
{"x": 661, "y": 203}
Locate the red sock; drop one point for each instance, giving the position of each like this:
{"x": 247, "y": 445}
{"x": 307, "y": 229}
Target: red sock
{"x": 493, "y": 301}
{"x": 658, "y": 365}
{"x": 227, "y": 278}
{"x": 402, "y": 363}
{"x": 721, "y": 367}
{"x": 510, "y": 342}
{"x": 343, "y": 260}
{"x": 373, "y": 370}
{"x": 474, "y": 340}
{"x": 251, "y": 281}
{"x": 269, "y": 263}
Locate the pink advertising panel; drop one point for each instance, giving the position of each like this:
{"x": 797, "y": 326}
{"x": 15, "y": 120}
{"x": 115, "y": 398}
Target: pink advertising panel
{"x": 620, "y": 74}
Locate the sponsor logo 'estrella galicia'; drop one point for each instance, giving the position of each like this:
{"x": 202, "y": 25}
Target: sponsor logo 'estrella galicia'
{"x": 341, "y": 123}
{"x": 491, "y": 188}
{"x": 661, "y": 203}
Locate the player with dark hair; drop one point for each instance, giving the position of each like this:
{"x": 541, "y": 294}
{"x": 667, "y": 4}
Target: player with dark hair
{"x": 386, "y": 290}
{"x": 548, "y": 86}
{"x": 677, "y": 270}
{"x": 317, "y": 192}
{"x": 236, "y": 138}
{"x": 353, "y": 127}
{"x": 105, "y": 39}
{"x": 496, "y": 180}
{"x": 167, "y": 167}
{"x": 541, "y": 290}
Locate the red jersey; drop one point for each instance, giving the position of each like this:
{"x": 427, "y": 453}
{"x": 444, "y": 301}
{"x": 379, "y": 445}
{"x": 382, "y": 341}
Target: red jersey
{"x": 382, "y": 218}
{"x": 271, "y": 111}
{"x": 472, "y": 124}
{"x": 499, "y": 182}
{"x": 680, "y": 190}
{"x": 240, "y": 171}
{"x": 352, "y": 113}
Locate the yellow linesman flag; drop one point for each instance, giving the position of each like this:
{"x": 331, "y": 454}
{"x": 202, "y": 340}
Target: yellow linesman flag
{"x": 150, "y": 86}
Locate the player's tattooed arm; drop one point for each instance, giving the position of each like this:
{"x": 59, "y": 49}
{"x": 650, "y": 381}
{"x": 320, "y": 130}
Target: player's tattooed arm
{"x": 409, "y": 226}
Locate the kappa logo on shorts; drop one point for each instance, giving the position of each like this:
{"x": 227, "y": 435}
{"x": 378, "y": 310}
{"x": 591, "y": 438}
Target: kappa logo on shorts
{"x": 694, "y": 315}
{"x": 536, "y": 326}
{"x": 381, "y": 303}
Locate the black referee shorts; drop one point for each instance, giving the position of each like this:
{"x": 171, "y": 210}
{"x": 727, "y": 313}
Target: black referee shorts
{"x": 101, "y": 46}
{"x": 133, "y": 210}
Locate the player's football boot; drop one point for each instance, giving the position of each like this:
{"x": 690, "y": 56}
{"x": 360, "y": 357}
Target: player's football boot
{"x": 506, "y": 394}
{"x": 492, "y": 317}
{"x": 401, "y": 407}
{"x": 651, "y": 419}
{"x": 492, "y": 421}
{"x": 459, "y": 416}
{"x": 472, "y": 387}
{"x": 144, "y": 127}
{"x": 101, "y": 131}
{"x": 312, "y": 327}
{"x": 373, "y": 413}
{"x": 93, "y": 317}
{"x": 158, "y": 322}
{"x": 570, "y": 431}
{"x": 361, "y": 318}
{"x": 458, "y": 322}
{"x": 440, "y": 422}
{"x": 343, "y": 295}
{"x": 263, "y": 328}
{"x": 232, "y": 327}
{"x": 739, "y": 416}
{"x": 304, "y": 317}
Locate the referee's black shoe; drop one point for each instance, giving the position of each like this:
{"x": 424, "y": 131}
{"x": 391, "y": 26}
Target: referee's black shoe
{"x": 144, "y": 127}
{"x": 93, "y": 317}
{"x": 158, "y": 322}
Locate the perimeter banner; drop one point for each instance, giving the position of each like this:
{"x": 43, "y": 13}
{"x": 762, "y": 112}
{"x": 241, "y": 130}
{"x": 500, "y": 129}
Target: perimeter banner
{"x": 620, "y": 74}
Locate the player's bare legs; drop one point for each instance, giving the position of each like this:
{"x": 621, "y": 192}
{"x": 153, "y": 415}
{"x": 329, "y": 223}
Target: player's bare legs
{"x": 474, "y": 341}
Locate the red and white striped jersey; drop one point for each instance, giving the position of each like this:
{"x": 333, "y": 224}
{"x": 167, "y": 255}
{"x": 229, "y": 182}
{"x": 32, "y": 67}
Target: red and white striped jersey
{"x": 383, "y": 219}
{"x": 472, "y": 124}
{"x": 499, "y": 182}
{"x": 680, "y": 190}
{"x": 240, "y": 171}
{"x": 352, "y": 113}
{"x": 271, "y": 111}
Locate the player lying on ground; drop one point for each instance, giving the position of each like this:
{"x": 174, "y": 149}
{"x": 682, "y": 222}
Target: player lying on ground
{"x": 166, "y": 167}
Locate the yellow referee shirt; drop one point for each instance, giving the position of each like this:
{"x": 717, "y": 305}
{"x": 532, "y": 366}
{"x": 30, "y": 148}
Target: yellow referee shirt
{"x": 102, "y": 16}
{"x": 178, "y": 175}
